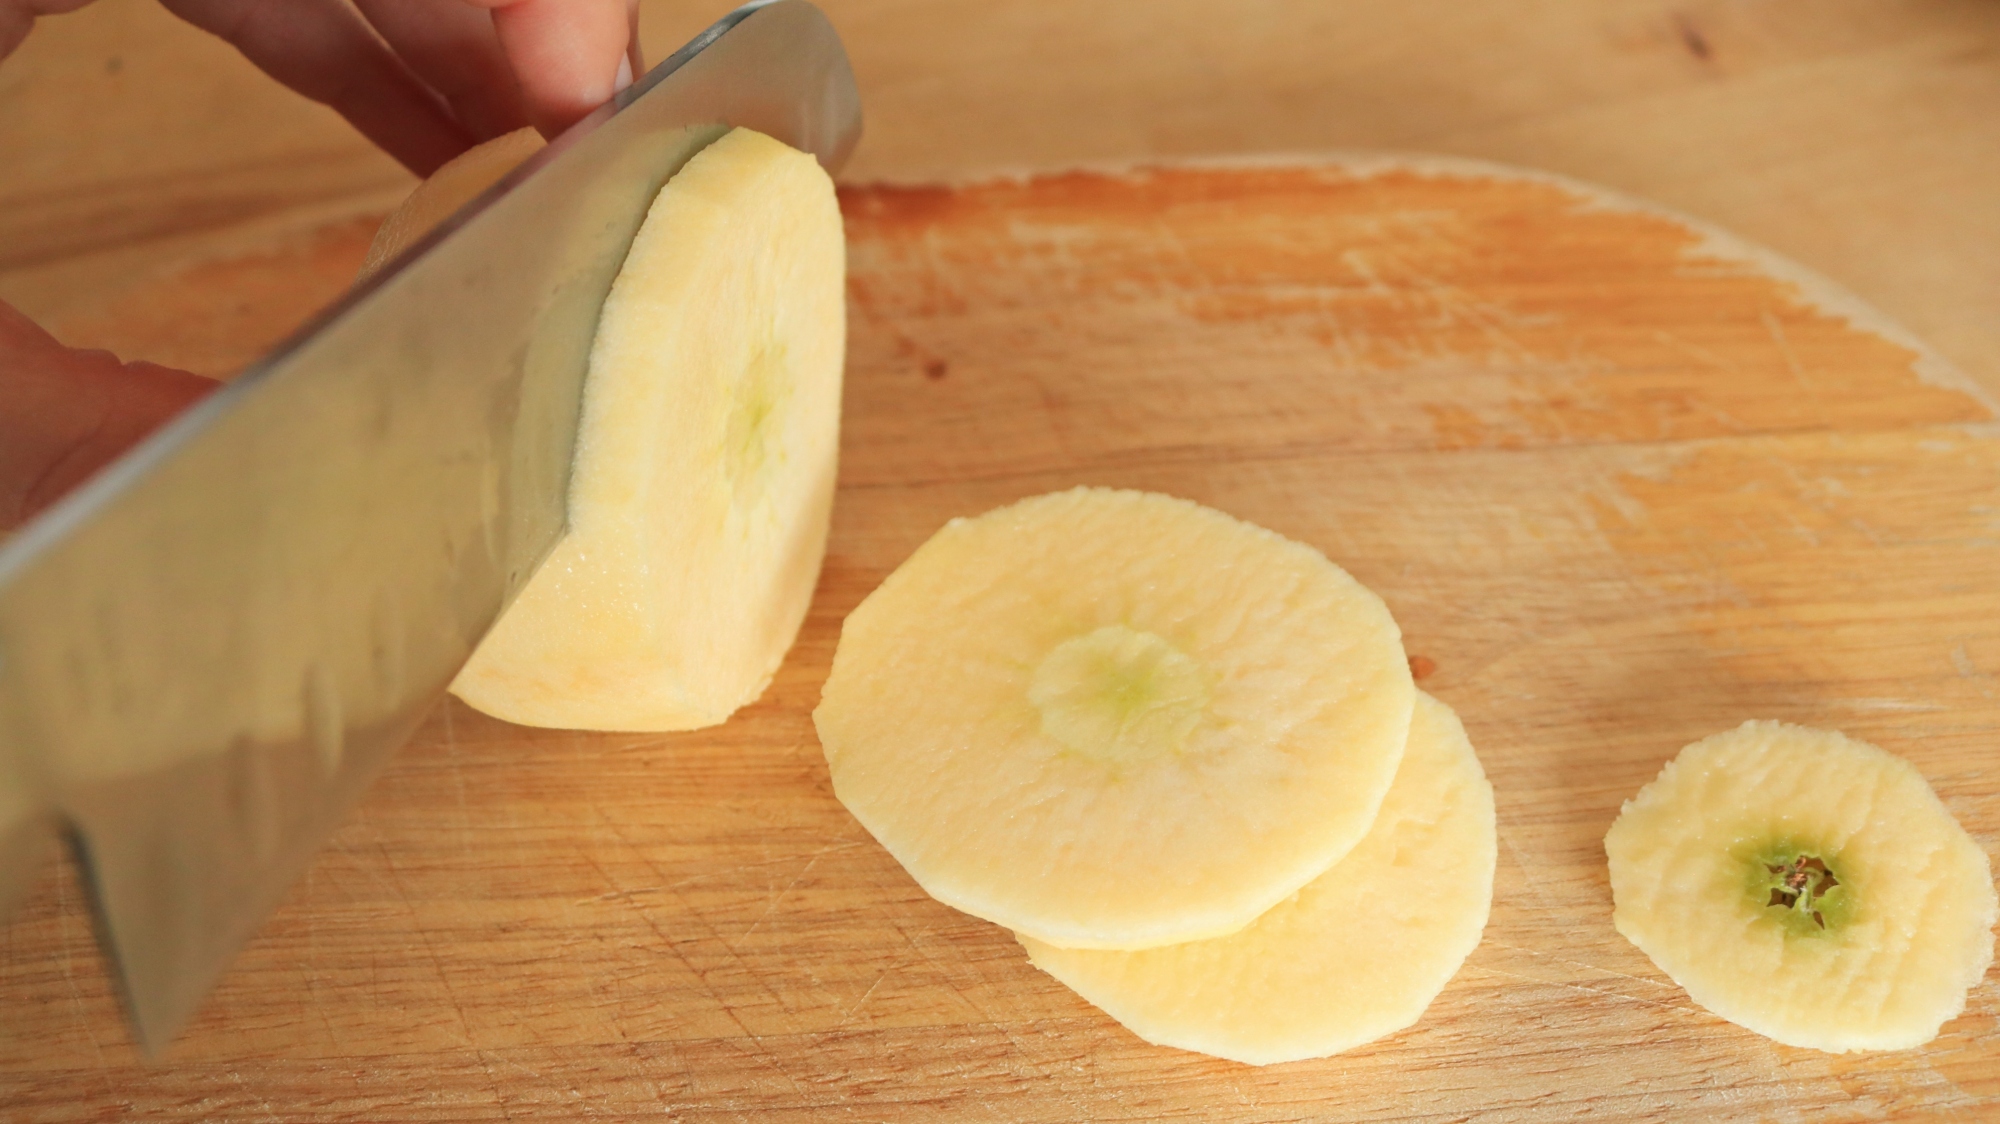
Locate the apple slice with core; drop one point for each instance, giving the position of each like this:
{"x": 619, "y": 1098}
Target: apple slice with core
{"x": 1113, "y": 719}
{"x": 1805, "y": 885}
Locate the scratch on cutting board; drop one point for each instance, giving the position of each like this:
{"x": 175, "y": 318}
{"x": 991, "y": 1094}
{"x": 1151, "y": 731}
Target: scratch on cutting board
{"x": 1568, "y": 963}
{"x": 1918, "y": 706}
{"x": 311, "y": 966}
{"x": 1776, "y": 331}
{"x": 243, "y": 1086}
{"x": 714, "y": 994}
{"x": 985, "y": 1017}
{"x": 779, "y": 897}
{"x": 465, "y": 840}
{"x": 1588, "y": 967}
{"x": 1449, "y": 304}
{"x": 1357, "y": 263}
{"x": 423, "y": 935}
{"x": 69, "y": 977}
{"x": 1961, "y": 661}
{"x": 757, "y": 1048}
{"x": 847, "y": 1016}
{"x": 500, "y": 1096}
{"x": 1527, "y": 871}
{"x": 621, "y": 895}
{"x": 706, "y": 875}
{"x": 942, "y": 973}
{"x": 1673, "y": 339}
{"x": 617, "y": 1024}
{"x": 759, "y": 1052}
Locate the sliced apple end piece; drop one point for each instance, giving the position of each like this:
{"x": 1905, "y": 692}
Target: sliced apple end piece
{"x": 703, "y": 484}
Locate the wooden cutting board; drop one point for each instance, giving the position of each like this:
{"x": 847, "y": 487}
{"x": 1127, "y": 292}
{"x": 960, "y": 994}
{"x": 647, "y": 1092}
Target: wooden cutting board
{"x": 1624, "y": 482}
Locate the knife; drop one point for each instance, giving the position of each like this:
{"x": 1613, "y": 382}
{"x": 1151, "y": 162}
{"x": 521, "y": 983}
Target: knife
{"x": 208, "y": 650}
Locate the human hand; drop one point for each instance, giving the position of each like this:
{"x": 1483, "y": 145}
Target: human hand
{"x": 66, "y": 413}
{"x": 424, "y": 79}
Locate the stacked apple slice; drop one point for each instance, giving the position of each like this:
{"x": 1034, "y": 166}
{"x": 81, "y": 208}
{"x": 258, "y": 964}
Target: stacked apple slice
{"x": 1181, "y": 757}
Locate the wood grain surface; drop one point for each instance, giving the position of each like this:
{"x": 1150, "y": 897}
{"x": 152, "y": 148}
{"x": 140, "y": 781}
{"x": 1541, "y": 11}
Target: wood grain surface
{"x": 1855, "y": 136}
{"x": 1623, "y": 481}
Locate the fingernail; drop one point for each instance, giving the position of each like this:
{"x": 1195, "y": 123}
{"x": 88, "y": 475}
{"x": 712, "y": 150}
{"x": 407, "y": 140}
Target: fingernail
{"x": 624, "y": 78}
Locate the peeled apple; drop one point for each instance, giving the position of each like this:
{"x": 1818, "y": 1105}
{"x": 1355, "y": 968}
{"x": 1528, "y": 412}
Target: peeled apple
{"x": 704, "y": 471}
{"x": 449, "y": 188}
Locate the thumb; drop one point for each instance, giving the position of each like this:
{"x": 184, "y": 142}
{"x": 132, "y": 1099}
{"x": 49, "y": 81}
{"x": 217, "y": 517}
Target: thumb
{"x": 570, "y": 56}
{"x": 66, "y": 413}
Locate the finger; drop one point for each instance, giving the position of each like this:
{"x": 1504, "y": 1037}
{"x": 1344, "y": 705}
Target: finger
{"x": 64, "y": 414}
{"x": 17, "y": 18}
{"x": 452, "y": 46}
{"x": 571, "y": 56}
{"x": 323, "y": 50}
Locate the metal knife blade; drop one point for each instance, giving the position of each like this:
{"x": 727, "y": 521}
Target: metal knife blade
{"x": 209, "y": 650}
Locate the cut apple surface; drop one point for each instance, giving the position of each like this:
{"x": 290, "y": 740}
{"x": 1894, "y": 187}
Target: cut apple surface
{"x": 704, "y": 471}
{"x": 1806, "y": 886}
{"x": 446, "y": 190}
{"x": 1357, "y": 954}
{"x": 1111, "y": 719}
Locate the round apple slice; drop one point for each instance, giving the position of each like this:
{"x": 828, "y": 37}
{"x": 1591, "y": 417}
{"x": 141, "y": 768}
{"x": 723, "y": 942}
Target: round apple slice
{"x": 1804, "y": 885}
{"x": 1114, "y": 719}
{"x": 1357, "y": 954}
{"x": 704, "y": 471}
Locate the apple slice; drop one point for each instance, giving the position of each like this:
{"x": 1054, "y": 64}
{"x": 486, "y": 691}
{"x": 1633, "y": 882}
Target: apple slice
{"x": 704, "y": 470}
{"x": 1112, "y": 719}
{"x": 1807, "y": 886}
{"x": 1357, "y": 954}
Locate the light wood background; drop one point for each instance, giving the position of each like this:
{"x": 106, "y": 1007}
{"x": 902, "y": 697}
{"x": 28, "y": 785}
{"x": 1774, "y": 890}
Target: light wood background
{"x": 1623, "y": 484}
{"x": 1856, "y": 136}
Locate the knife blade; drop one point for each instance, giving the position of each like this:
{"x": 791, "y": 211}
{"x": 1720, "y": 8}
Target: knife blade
{"x": 209, "y": 650}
